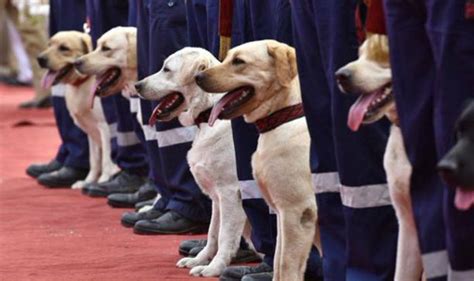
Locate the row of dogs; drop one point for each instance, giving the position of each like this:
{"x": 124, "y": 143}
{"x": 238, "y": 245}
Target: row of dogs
{"x": 259, "y": 81}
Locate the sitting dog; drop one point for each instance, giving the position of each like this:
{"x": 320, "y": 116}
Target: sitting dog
{"x": 262, "y": 84}
{"x": 64, "y": 48}
{"x": 211, "y": 157}
{"x": 370, "y": 78}
{"x": 113, "y": 62}
{"x": 457, "y": 166}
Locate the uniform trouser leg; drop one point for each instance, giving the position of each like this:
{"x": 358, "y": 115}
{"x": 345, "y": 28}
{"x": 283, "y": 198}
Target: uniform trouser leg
{"x": 325, "y": 40}
{"x": 442, "y": 55}
{"x": 74, "y": 151}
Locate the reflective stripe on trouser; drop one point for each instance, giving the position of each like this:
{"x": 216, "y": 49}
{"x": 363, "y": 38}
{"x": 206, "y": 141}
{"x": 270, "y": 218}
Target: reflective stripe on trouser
{"x": 162, "y": 28}
{"x": 128, "y": 146}
{"x": 74, "y": 149}
{"x": 359, "y": 240}
{"x": 441, "y": 44}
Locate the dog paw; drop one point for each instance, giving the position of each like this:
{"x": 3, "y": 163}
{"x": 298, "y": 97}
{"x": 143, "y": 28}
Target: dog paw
{"x": 190, "y": 262}
{"x": 207, "y": 271}
{"x": 78, "y": 185}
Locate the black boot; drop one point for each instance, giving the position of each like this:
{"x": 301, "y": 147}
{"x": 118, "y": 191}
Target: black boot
{"x": 128, "y": 200}
{"x": 63, "y": 177}
{"x": 36, "y": 170}
{"x": 170, "y": 223}
{"x": 130, "y": 218}
{"x": 236, "y": 273}
{"x": 124, "y": 182}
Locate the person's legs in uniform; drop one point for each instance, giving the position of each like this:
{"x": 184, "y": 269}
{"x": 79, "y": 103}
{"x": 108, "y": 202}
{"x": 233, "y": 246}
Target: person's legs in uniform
{"x": 73, "y": 155}
{"x": 186, "y": 208}
{"x": 130, "y": 154}
{"x": 350, "y": 233}
{"x": 440, "y": 43}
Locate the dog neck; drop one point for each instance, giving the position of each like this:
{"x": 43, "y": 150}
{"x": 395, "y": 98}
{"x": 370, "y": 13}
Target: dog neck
{"x": 199, "y": 103}
{"x": 286, "y": 96}
{"x": 392, "y": 115}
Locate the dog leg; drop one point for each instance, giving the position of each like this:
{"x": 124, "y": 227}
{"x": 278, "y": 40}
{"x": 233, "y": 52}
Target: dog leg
{"x": 297, "y": 235}
{"x": 232, "y": 222}
{"x": 398, "y": 169}
{"x": 108, "y": 166}
{"x": 94, "y": 160}
{"x": 210, "y": 250}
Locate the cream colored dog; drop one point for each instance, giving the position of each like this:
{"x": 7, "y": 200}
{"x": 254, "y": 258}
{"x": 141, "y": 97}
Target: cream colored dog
{"x": 211, "y": 157}
{"x": 370, "y": 77}
{"x": 113, "y": 62}
{"x": 64, "y": 48}
{"x": 262, "y": 81}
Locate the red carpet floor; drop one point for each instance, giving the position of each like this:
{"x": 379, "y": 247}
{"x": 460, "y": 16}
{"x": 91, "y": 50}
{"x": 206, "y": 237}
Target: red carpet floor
{"x": 60, "y": 234}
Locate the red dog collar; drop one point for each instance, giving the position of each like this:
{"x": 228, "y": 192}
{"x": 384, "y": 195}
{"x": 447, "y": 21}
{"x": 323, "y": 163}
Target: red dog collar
{"x": 203, "y": 117}
{"x": 79, "y": 82}
{"x": 280, "y": 117}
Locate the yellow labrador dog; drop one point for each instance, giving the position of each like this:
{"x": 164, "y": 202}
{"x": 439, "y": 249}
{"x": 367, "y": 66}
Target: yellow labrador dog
{"x": 370, "y": 77}
{"x": 262, "y": 84}
{"x": 211, "y": 157}
{"x": 113, "y": 62}
{"x": 64, "y": 48}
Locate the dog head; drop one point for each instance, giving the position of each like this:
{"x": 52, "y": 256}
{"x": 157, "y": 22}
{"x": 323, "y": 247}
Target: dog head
{"x": 457, "y": 166}
{"x": 174, "y": 86}
{"x": 113, "y": 62}
{"x": 370, "y": 78}
{"x": 63, "y": 49}
{"x": 257, "y": 77}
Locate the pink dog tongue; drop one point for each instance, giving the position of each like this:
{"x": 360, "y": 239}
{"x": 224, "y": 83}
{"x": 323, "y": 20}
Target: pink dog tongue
{"x": 93, "y": 91}
{"x": 464, "y": 199}
{"x": 48, "y": 79}
{"x": 358, "y": 110}
{"x": 219, "y": 107}
{"x": 154, "y": 114}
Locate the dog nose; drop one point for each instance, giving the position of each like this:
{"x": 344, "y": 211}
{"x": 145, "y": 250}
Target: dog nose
{"x": 448, "y": 170}
{"x": 78, "y": 63}
{"x": 199, "y": 78}
{"x": 42, "y": 61}
{"x": 343, "y": 75}
{"x": 138, "y": 87}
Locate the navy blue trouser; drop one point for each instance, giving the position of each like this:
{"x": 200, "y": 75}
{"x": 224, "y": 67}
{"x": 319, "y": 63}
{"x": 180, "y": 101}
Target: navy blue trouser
{"x": 357, "y": 223}
{"x": 432, "y": 39}
{"x": 128, "y": 141}
{"x": 161, "y": 32}
{"x": 74, "y": 148}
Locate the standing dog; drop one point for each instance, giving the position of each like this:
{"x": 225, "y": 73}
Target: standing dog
{"x": 262, "y": 84}
{"x": 64, "y": 48}
{"x": 211, "y": 157}
{"x": 370, "y": 77}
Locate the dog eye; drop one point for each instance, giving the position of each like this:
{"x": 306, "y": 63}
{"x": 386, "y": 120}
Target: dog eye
{"x": 165, "y": 69}
{"x": 105, "y": 49}
{"x": 64, "y": 48}
{"x": 237, "y": 61}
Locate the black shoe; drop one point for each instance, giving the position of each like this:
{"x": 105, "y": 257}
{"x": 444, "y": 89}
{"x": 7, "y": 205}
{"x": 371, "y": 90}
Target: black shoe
{"x": 63, "y": 177}
{"x": 124, "y": 182}
{"x": 36, "y": 170}
{"x": 130, "y": 218}
{"x": 142, "y": 204}
{"x": 187, "y": 245}
{"x": 236, "y": 273}
{"x": 170, "y": 223}
{"x": 265, "y": 276}
{"x": 128, "y": 200}
{"x": 87, "y": 186}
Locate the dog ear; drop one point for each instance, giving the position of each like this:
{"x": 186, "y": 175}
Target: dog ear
{"x": 131, "y": 35}
{"x": 86, "y": 42}
{"x": 285, "y": 61}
